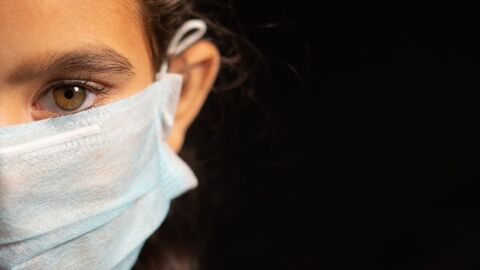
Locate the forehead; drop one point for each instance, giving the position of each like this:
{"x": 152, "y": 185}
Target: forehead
{"x": 31, "y": 27}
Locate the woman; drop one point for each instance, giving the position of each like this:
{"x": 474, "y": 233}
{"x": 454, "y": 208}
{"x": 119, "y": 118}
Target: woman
{"x": 92, "y": 119}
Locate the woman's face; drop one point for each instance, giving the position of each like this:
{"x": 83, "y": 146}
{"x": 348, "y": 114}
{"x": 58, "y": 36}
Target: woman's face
{"x": 59, "y": 57}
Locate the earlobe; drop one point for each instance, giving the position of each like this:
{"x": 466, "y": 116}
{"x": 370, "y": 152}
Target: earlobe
{"x": 199, "y": 65}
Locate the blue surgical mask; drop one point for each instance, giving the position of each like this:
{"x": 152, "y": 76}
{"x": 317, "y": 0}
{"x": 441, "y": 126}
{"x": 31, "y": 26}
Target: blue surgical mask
{"x": 85, "y": 191}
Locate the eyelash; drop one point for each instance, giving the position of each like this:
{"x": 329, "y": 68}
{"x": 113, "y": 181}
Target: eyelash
{"x": 89, "y": 85}
{"x": 82, "y": 79}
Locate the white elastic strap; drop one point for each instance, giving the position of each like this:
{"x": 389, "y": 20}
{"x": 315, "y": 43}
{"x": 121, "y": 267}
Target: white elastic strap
{"x": 179, "y": 42}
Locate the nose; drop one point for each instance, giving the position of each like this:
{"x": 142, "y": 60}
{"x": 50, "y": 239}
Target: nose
{"x": 14, "y": 109}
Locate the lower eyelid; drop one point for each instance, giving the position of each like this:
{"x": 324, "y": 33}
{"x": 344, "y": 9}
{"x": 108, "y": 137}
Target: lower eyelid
{"x": 42, "y": 114}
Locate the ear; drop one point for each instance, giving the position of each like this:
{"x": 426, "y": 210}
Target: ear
{"x": 199, "y": 65}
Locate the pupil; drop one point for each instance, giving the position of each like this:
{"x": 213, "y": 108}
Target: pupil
{"x": 68, "y": 94}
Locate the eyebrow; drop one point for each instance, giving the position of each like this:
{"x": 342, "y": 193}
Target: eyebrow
{"x": 95, "y": 59}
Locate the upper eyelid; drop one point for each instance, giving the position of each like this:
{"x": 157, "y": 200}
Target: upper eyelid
{"x": 102, "y": 89}
{"x": 73, "y": 82}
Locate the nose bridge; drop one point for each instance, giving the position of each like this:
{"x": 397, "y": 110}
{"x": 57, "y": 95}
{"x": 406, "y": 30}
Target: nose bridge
{"x": 14, "y": 109}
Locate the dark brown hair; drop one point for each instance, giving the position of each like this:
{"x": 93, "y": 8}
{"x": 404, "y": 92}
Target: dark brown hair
{"x": 182, "y": 240}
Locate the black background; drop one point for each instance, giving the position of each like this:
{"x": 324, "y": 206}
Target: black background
{"x": 374, "y": 158}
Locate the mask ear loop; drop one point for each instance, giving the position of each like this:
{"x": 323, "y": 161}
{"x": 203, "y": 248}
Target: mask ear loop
{"x": 179, "y": 42}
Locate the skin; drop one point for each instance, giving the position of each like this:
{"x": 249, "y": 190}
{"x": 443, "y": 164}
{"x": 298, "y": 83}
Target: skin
{"x": 99, "y": 43}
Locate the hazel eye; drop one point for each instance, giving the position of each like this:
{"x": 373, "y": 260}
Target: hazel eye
{"x": 68, "y": 97}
